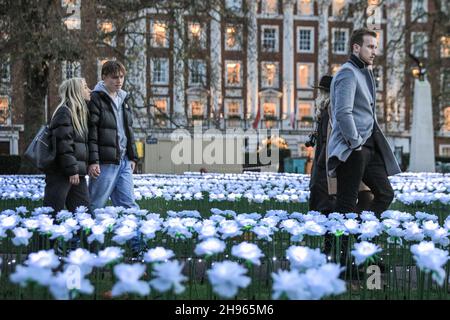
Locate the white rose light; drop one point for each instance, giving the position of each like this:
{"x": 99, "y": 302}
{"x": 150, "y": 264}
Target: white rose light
{"x": 227, "y": 277}
{"x": 363, "y": 251}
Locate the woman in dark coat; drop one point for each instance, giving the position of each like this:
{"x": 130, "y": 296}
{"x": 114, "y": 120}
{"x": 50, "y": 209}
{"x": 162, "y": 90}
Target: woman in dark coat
{"x": 320, "y": 199}
{"x": 65, "y": 178}
{"x": 322, "y": 188}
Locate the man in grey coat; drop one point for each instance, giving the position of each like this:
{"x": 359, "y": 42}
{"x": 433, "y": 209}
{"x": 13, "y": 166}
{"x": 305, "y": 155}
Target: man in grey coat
{"x": 357, "y": 150}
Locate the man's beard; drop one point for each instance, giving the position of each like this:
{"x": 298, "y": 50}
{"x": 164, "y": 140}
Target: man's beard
{"x": 366, "y": 61}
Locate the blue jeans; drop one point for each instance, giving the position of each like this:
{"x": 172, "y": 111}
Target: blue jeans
{"x": 115, "y": 181}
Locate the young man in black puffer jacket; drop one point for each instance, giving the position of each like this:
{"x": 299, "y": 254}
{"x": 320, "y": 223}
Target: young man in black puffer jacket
{"x": 112, "y": 149}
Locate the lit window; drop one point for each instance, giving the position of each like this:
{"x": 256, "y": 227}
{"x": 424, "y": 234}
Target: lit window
{"x": 73, "y": 21}
{"x": 197, "y": 107}
{"x": 233, "y": 73}
{"x": 270, "y": 6}
{"x": 197, "y": 35}
{"x": 335, "y": 68}
{"x": 270, "y": 74}
{"x": 270, "y": 107}
{"x": 233, "y": 37}
{"x": 106, "y": 29}
{"x": 160, "y": 71}
{"x": 445, "y": 46}
{"x": 305, "y": 40}
{"x": 374, "y": 14}
{"x": 233, "y": 108}
{"x": 304, "y": 110}
{"x": 4, "y": 109}
{"x": 160, "y": 111}
{"x": 447, "y": 119}
{"x": 197, "y": 72}
{"x": 419, "y": 10}
{"x": 378, "y": 77}
{"x": 380, "y": 42}
{"x": 338, "y": 7}
{"x": 340, "y": 41}
{"x": 161, "y": 105}
{"x": 419, "y": 46}
{"x": 270, "y": 39}
{"x": 159, "y": 34}
{"x": 71, "y": 69}
{"x": 305, "y": 78}
{"x": 305, "y": 7}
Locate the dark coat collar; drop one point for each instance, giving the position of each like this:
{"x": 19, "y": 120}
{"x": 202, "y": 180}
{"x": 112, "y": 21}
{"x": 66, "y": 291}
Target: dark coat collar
{"x": 107, "y": 97}
{"x": 357, "y": 61}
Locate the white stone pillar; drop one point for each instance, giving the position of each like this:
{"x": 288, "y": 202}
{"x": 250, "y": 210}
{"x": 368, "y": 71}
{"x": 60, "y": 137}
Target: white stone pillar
{"x": 179, "y": 115}
{"x": 324, "y": 36}
{"x": 252, "y": 60}
{"x": 422, "y": 133}
{"x": 288, "y": 62}
{"x": 136, "y": 64}
{"x": 395, "y": 65}
{"x": 216, "y": 63}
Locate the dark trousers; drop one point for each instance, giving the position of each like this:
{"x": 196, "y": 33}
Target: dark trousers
{"x": 59, "y": 193}
{"x": 365, "y": 165}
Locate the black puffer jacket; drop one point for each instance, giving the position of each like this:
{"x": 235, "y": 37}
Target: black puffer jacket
{"x": 71, "y": 148}
{"x": 103, "y": 140}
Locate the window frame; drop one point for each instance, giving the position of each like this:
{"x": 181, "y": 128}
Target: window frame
{"x": 165, "y": 72}
{"x": 421, "y": 35}
{"x": 107, "y": 40}
{"x": 445, "y": 46}
{"x": 342, "y": 11}
{"x": 239, "y": 37}
{"x": 300, "y": 11}
{"x": 333, "y": 41}
{"x": 203, "y": 39}
{"x": 76, "y": 72}
{"x": 275, "y": 39}
{"x": 5, "y": 69}
{"x": 414, "y": 16}
{"x": 202, "y": 101}
{"x": 270, "y": 99}
{"x": 202, "y": 74}
{"x": 311, "y": 39}
{"x": 311, "y": 71}
{"x": 277, "y": 74}
{"x": 304, "y": 102}
{"x": 227, "y": 74}
{"x": 227, "y": 109}
{"x": 153, "y": 37}
{"x": 72, "y": 22}
{"x": 264, "y": 7}
{"x": 231, "y": 5}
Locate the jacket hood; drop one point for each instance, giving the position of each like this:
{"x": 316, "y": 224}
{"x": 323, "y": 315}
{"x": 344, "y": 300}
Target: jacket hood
{"x": 100, "y": 87}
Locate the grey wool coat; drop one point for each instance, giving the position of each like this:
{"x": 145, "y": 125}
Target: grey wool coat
{"x": 353, "y": 110}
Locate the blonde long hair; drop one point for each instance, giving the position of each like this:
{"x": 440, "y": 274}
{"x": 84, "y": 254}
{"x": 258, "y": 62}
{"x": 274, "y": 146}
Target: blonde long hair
{"x": 71, "y": 94}
{"x": 323, "y": 98}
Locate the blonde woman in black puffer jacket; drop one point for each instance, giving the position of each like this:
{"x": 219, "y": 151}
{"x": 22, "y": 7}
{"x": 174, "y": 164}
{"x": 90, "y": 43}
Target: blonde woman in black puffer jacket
{"x": 65, "y": 178}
